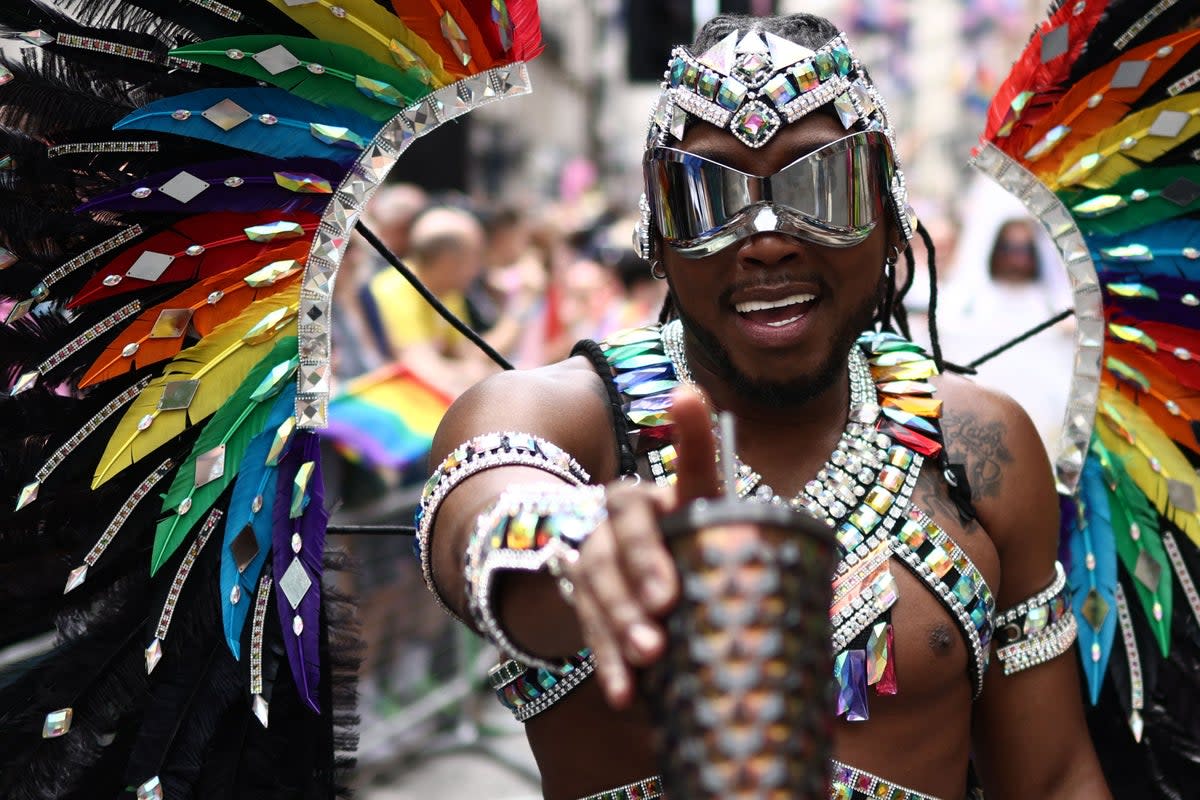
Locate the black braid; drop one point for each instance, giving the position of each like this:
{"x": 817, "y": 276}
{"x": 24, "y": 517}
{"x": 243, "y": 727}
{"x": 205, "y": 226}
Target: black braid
{"x": 899, "y": 311}
{"x": 931, "y": 260}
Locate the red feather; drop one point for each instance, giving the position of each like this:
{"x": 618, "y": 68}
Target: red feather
{"x": 481, "y": 12}
{"x": 1031, "y": 74}
{"x": 425, "y": 19}
{"x": 1073, "y": 110}
{"x": 223, "y": 236}
{"x": 527, "y": 29}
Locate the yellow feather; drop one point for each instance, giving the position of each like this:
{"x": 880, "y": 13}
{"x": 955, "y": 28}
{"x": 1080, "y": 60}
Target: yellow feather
{"x": 1112, "y": 161}
{"x": 1131, "y": 436}
{"x": 219, "y": 361}
{"x": 368, "y": 27}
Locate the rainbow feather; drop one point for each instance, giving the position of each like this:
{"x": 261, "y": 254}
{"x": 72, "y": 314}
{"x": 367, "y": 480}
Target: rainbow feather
{"x": 251, "y": 506}
{"x": 290, "y": 136}
{"x": 217, "y": 455}
{"x": 1092, "y": 575}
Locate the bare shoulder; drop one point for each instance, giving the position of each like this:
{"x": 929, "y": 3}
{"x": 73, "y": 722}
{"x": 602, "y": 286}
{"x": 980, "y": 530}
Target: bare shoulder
{"x": 1012, "y": 487}
{"x": 565, "y": 402}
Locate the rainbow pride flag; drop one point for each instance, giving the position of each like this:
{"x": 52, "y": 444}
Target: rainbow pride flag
{"x": 386, "y": 418}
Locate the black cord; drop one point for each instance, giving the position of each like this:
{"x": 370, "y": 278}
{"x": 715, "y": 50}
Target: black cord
{"x": 931, "y": 260}
{"x": 1035, "y": 330}
{"x": 372, "y": 530}
{"x": 430, "y": 298}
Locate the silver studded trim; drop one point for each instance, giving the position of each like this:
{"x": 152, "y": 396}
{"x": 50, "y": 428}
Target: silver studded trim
{"x": 1137, "y": 696}
{"x": 114, "y": 526}
{"x": 1181, "y": 572}
{"x": 185, "y": 568}
{"x": 364, "y": 178}
{"x": 122, "y": 50}
{"x": 110, "y": 408}
{"x": 261, "y": 601}
{"x": 1042, "y": 598}
{"x": 220, "y": 9}
{"x": 91, "y": 254}
{"x": 566, "y": 684}
{"x": 77, "y": 148}
{"x": 82, "y": 340}
{"x": 1051, "y": 643}
{"x": 1089, "y": 311}
{"x": 979, "y": 654}
{"x": 483, "y": 462}
{"x": 1142, "y": 23}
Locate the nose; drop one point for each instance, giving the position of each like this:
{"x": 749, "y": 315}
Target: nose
{"x": 770, "y": 249}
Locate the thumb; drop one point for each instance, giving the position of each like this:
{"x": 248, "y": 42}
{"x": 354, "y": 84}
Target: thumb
{"x": 695, "y": 447}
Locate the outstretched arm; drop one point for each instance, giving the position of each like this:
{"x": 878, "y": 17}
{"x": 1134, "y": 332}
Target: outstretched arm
{"x": 1030, "y": 736}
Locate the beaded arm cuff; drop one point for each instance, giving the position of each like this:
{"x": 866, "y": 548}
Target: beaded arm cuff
{"x": 472, "y": 457}
{"x": 529, "y": 529}
{"x": 1038, "y": 629}
{"x": 528, "y": 692}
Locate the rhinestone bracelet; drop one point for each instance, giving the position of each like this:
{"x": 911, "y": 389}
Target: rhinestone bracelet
{"x": 1038, "y": 629}
{"x": 472, "y": 457}
{"x": 528, "y": 529}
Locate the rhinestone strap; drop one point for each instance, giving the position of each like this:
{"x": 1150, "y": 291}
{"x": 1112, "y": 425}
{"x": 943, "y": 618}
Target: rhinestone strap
{"x": 123, "y": 50}
{"x": 645, "y": 789}
{"x": 91, "y": 254}
{"x": 1040, "y": 599}
{"x": 526, "y": 530}
{"x": 1137, "y": 697}
{"x": 1038, "y": 629}
{"x": 83, "y": 148}
{"x": 954, "y": 579}
{"x": 476, "y": 455}
{"x": 1181, "y": 572}
{"x": 154, "y": 649}
{"x": 80, "y": 341}
{"x": 850, "y": 783}
{"x": 220, "y": 9}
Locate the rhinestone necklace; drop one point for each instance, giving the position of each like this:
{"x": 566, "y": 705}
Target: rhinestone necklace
{"x": 852, "y": 468}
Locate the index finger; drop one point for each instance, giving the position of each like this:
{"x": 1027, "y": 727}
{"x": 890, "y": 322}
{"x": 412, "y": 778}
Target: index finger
{"x": 695, "y": 447}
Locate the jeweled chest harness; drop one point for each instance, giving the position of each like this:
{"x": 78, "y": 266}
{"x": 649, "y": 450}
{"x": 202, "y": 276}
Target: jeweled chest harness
{"x": 862, "y": 492}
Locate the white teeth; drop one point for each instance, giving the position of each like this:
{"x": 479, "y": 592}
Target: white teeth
{"x": 783, "y": 322}
{"x": 765, "y": 305}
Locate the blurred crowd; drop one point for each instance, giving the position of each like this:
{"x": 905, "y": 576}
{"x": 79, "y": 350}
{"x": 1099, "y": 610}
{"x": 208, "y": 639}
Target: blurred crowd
{"x": 532, "y": 283}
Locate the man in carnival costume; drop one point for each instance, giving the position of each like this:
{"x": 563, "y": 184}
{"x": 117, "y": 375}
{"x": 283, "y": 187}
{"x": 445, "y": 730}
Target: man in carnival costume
{"x": 777, "y": 213}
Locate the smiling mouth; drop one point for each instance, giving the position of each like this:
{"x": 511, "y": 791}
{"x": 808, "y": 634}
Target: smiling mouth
{"x": 776, "y": 313}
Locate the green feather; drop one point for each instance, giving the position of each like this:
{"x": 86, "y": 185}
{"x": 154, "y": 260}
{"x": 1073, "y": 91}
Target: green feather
{"x": 334, "y": 86}
{"x": 234, "y": 424}
{"x": 1141, "y": 544}
{"x": 1124, "y": 211}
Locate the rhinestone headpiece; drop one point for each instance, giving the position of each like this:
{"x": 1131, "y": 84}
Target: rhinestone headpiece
{"x": 753, "y": 85}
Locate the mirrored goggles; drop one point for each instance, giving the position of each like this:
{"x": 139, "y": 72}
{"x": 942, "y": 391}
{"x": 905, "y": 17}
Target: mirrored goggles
{"x": 832, "y": 196}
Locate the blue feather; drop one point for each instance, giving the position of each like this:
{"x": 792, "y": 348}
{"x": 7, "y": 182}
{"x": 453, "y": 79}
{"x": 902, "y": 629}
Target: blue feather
{"x": 255, "y": 479}
{"x": 1094, "y": 538}
{"x": 289, "y": 137}
{"x": 1153, "y": 250}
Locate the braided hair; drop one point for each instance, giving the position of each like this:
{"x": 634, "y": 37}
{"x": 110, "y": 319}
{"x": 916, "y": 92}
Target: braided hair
{"x": 812, "y": 31}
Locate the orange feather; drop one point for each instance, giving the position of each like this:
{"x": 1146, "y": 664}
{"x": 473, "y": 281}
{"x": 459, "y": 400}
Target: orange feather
{"x": 198, "y": 312}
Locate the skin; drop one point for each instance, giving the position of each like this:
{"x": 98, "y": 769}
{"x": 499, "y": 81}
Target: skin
{"x": 1027, "y": 732}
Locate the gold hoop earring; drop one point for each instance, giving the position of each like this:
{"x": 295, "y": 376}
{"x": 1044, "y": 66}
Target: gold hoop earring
{"x": 658, "y": 271}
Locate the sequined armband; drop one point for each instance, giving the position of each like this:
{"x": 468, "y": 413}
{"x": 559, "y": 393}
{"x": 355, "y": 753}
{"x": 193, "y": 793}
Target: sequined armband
{"x": 531, "y": 528}
{"x": 527, "y": 692}
{"x": 477, "y": 455}
{"x": 1038, "y": 629}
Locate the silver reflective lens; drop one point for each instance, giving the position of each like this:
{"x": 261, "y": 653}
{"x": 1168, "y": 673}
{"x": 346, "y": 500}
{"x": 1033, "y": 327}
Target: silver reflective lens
{"x": 833, "y": 196}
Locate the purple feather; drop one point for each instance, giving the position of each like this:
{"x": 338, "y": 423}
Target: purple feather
{"x": 1169, "y": 307}
{"x": 302, "y": 649}
{"x": 258, "y": 189}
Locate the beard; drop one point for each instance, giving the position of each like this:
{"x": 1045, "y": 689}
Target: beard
{"x": 794, "y": 391}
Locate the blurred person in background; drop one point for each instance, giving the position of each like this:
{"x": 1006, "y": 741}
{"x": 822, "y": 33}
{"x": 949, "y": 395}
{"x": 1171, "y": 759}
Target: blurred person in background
{"x": 590, "y": 299}
{"x": 1001, "y": 286}
{"x": 390, "y": 215}
{"x": 445, "y": 250}
{"x": 643, "y": 293}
